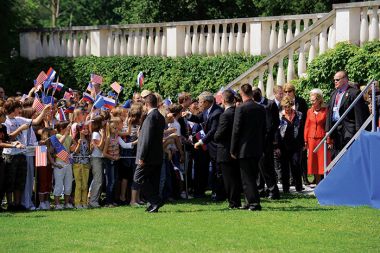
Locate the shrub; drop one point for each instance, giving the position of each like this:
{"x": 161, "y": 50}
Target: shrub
{"x": 168, "y": 76}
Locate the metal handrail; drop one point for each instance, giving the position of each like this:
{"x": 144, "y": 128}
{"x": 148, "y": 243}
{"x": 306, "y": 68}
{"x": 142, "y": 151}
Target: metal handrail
{"x": 337, "y": 158}
{"x": 324, "y": 140}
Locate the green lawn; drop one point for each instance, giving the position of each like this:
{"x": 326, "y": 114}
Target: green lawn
{"x": 293, "y": 224}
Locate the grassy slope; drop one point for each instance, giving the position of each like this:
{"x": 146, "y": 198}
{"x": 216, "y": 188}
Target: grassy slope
{"x": 296, "y": 224}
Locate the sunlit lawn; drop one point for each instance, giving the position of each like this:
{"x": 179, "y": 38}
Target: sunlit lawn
{"x": 293, "y": 224}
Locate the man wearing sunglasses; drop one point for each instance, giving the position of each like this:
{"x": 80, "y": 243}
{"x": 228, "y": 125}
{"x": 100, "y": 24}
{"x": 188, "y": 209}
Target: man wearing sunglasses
{"x": 341, "y": 98}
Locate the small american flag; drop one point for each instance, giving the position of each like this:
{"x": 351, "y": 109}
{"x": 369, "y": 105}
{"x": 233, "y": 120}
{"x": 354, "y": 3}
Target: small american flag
{"x": 41, "y": 156}
{"x": 96, "y": 79}
{"x": 116, "y": 87}
{"x": 63, "y": 155}
{"x": 40, "y": 79}
{"x": 37, "y": 105}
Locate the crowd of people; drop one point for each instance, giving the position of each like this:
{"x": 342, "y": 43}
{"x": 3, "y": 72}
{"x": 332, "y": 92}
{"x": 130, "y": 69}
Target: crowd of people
{"x": 149, "y": 151}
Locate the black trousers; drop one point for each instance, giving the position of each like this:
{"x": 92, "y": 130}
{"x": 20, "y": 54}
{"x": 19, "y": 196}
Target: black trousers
{"x": 216, "y": 181}
{"x": 148, "y": 176}
{"x": 249, "y": 168}
{"x": 201, "y": 167}
{"x": 339, "y": 141}
{"x": 232, "y": 182}
{"x": 267, "y": 173}
{"x": 291, "y": 161}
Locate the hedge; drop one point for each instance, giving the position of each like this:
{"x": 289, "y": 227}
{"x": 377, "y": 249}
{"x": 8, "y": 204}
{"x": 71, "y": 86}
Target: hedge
{"x": 168, "y": 76}
{"x": 361, "y": 63}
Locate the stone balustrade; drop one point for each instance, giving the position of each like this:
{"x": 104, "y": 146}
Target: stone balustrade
{"x": 256, "y": 36}
{"x": 353, "y": 22}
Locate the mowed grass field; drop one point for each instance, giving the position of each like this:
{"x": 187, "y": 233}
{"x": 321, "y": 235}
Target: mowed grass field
{"x": 296, "y": 223}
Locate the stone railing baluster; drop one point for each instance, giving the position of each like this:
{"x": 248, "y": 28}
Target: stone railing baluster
{"x": 231, "y": 40}
{"x": 273, "y": 37}
{"x": 261, "y": 81}
{"x": 374, "y": 25}
{"x": 301, "y": 60}
{"x": 150, "y": 42}
{"x": 188, "y": 41}
{"x": 290, "y": 71}
{"x": 209, "y": 41}
{"x": 82, "y": 45}
{"x": 216, "y": 44}
{"x": 202, "y": 42}
{"x": 289, "y": 32}
{"x": 270, "y": 82}
{"x": 224, "y": 43}
{"x": 116, "y": 44}
{"x": 246, "y": 39}
{"x": 239, "y": 39}
{"x": 280, "y": 72}
{"x": 143, "y": 42}
{"x": 281, "y": 35}
{"x": 364, "y": 32}
{"x": 123, "y": 44}
{"x": 157, "y": 42}
{"x": 164, "y": 42}
{"x": 110, "y": 44}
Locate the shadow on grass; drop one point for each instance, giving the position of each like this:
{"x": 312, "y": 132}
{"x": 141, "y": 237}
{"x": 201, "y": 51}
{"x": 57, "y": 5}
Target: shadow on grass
{"x": 297, "y": 209}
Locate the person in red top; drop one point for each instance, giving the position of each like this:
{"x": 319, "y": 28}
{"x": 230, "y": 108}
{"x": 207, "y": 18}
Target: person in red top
{"x": 314, "y": 133}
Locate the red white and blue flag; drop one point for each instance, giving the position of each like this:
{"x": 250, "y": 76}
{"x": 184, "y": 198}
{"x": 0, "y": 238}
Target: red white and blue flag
{"x": 41, "y": 156}
{"x": 60, "y": 115}
{"x": 40, "y": 79}
{"x": 87, "y": 97}
{"x": 201, "y": 134}
{"x": 58, "y": 86}
{"x": 37, "y": 105}
{"x": 116, "y": 87}
{"x": 96, "y": 79}
{"x": 140, "y": 79}
{"x": 60, "y": 150}
{"x": 70, "y": 109}
{"x": 51, "y": 74}
{"x": 109, "y": 102}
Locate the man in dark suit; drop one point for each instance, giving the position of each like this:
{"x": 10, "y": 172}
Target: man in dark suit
{"x": 341, "y": 98}
{"x": 149, "y": 154}
{"x": 267, "y": 173}
{"x": 247, "y": 143}
{"x": 228, "y": 165}
{"x": 209, "y": 118}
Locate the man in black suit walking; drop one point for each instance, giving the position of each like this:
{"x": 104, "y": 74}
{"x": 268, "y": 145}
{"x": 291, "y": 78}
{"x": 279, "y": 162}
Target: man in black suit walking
{"x": 341, "y": 98}
{"x": 247, "y": 143}
{"x": 209, "y": 119}
{"x": 267, "y": 172}
{"x": 228, "y": 165}
{"x": 149, "y": 154}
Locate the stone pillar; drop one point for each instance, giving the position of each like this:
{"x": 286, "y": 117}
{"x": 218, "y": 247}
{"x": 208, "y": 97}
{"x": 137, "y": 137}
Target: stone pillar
{"x": 99, "y": 42}
{"x": 259, "y": 38}
{"x": 28, "y": 45}
{"x": 175, "y": 41}
{"x": 348, "y": 25}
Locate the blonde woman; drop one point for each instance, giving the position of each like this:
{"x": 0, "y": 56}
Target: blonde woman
{"x": 314, "y": 133}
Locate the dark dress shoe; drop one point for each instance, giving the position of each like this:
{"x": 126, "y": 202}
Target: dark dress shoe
{"x": 255, "y": 208}
{"x": 274, "y": 196}
{"x": 153, "y": 208}
{"x": 244, "y": 207}
{"x": 234, "y": 207}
